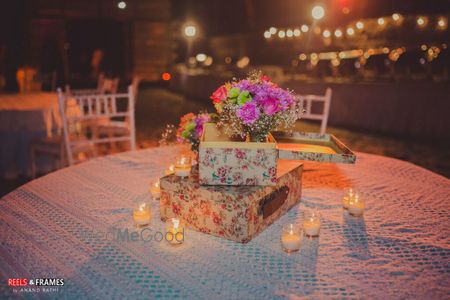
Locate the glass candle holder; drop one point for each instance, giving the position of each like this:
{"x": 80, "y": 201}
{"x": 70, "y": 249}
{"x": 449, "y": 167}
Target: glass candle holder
{"x": 356, "y": 206}
{"x": 348, "y": 194}
{"x": 183, "y": 166}
{"x": 174, "y": 231}
{"x": 155, "y": 190}
{"x": 291, "y": 237}
{"x": 142, "y": 214}
{"x": 170, "y": 170}
{"x": 311, "y": 223}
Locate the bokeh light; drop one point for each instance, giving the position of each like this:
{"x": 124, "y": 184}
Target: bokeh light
{"x": 190, "y": 30}
{"x": 318, "y": 12}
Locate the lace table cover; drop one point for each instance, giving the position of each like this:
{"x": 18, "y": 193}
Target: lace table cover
{"x": 399, "y": 249}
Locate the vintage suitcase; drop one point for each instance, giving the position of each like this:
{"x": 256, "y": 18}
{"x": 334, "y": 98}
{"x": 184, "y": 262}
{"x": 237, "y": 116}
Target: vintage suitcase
{"x": 226, "y": 162}
{"x": 310, "y": 146}
{"x": 236, "y": 213}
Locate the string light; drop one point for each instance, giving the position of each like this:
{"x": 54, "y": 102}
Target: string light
{"x": 302, "y": 57}
{"x": 122, "y": 5}
{"x": 190, "y": 31}
{"x": 442, "y": 23}
{"x": 421, "y": 21}
{"x": 201, "y": 57}
{"x": 350, "y": 31}
{"x": 360, "y": 25}
{"x": 318, "y": 12}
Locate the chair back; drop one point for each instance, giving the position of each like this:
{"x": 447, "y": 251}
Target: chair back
{"x": 109, "y": 85}
{"x": 92, "y": 108}
{"x": 305, "y": 103}
{"x": 104, "y": 86}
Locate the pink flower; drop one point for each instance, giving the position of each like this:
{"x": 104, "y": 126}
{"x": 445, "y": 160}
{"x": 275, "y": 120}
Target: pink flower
{"x": 219, "y": 95}
{"x": 265, "y": 78}
{"x": 248, "y": 113}
{"x": 270, "y": 106}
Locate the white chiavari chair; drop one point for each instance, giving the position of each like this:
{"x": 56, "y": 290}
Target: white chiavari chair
{"x": 100, "y": 107}
{"x": 305, "y": 104}
{"x": 81, "y": 131}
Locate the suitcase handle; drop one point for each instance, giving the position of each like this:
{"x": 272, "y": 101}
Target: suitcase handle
{"x": 272, "y": 202}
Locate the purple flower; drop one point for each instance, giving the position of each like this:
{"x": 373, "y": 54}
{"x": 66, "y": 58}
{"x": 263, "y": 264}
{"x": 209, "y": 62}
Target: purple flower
{"x": 270, "y": 106}
{"x": 199, "y": 121}
{"x": 248, "y": 113}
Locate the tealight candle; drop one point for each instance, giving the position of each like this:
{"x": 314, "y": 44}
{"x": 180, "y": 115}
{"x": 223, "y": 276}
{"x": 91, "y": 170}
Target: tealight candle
{"x": 142, "y": 214}
{"x": 170, "y": 170}
{"x": 183, "y": 166}
{"x": 356, "y": 206}
{"x": 175, "y": 231}
{"x": 290, "y": 238}
{"x": 311, "y": 224}
{"x": 155, "y": 190}
{"x": 349, "y": 193}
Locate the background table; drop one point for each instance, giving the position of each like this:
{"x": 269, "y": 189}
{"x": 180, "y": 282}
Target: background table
{"x": 400, "y": 249}
{"x": 23, "y": 118}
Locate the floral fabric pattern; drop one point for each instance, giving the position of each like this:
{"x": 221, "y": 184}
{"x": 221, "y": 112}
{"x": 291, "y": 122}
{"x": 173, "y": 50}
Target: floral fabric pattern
{"x": 231, "y": 212}
{"x": 237, "y": 166}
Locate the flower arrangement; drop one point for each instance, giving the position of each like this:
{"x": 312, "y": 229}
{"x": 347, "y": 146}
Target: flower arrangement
{"x": 191, "y": 128}
{"x": 253, "y": 107}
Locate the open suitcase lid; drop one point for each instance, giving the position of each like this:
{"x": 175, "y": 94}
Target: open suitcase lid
{"x": 312, "y": 147}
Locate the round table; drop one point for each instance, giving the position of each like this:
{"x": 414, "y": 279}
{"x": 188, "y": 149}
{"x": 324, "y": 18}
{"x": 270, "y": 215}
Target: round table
{"x": 399, "y": 249}
{"x": 24, "y": 118}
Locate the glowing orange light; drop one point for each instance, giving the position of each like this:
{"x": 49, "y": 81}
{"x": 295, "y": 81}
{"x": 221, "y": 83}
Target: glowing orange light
{"x": 166, "y": 76}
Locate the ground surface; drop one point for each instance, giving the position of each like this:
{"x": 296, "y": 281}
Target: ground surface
{"x": 156, "y": 107}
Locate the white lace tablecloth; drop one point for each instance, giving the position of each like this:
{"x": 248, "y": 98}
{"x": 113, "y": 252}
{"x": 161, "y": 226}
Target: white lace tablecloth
{"x": 24, "y": 118}
{"x": 400, "y": 249}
